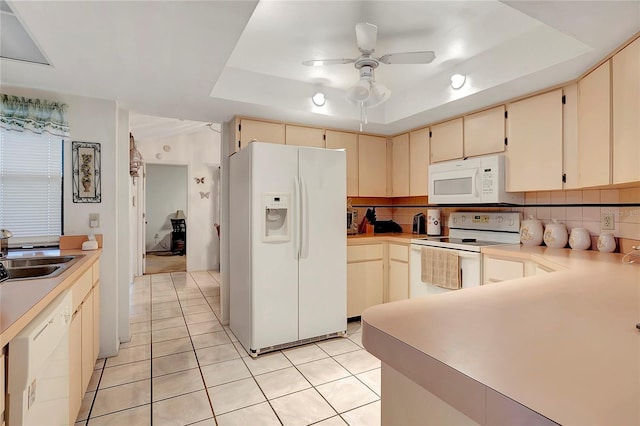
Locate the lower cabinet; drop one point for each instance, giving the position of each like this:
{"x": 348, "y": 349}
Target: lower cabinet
{"x": 75, "y": 366}
{"x": 2, "y": 390}
{"x": 398, "y": 284}
{"x": 497, "y": 269}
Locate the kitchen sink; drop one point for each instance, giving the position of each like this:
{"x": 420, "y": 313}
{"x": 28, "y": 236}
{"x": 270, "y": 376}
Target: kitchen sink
{"x": 34, "y": 272}
{"x": 37, "y": 261}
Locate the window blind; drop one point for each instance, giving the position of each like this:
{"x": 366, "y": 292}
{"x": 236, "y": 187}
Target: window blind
{"x": 31, "y": 187}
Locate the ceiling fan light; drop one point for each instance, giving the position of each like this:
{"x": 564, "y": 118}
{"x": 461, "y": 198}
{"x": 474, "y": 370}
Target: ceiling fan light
{"x": 318, "y": 99}
{"x": 360, "y": 91}
{"x": 379, "y": 94}
{"x": 458, "y": 80}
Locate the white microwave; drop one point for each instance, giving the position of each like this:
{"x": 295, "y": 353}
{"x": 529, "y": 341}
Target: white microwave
{"x": 479, "y": 180}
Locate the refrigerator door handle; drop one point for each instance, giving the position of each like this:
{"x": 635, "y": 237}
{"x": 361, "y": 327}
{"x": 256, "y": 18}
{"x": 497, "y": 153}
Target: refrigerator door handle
{"x": 296, "y": 223}
{"x": 304, "y": 220}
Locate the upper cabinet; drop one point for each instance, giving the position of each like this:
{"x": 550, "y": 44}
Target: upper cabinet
{"x": 570, "y": 136}
{"x": 400, "y": 165}
{"x": 534, "y": 150}
{"x": 594, "y": 127}
{"x": 484, "y": 132}
{"x": 372, "y": 166}
{"x": 419, "y": 162}
{"x": 626, "y": 114}
{"x": 304, "y": 136}
{"x": 446, "y": 140}
{"x": 248, "y": 131}
{"x": 348, "y": 142}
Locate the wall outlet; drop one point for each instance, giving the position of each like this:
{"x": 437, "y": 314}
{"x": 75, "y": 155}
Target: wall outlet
{"x": 94, "y": 220}
{"x": 607, "y": 221}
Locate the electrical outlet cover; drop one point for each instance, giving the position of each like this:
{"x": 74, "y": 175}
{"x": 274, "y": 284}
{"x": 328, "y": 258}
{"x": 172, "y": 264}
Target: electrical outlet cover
{"x": 607, "y": 221}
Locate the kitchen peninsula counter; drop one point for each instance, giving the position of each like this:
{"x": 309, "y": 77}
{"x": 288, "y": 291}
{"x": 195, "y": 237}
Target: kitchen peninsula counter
{"x": 560, "y": 347}
{"x": 403, "y": 238}
{"x": 22, "y": 300}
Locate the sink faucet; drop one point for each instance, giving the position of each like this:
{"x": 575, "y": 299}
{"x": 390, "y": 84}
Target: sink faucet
{"x": 5, "y": 234}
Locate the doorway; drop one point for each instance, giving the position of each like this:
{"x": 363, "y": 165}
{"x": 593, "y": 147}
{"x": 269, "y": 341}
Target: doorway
{"x": 166, "y": 215}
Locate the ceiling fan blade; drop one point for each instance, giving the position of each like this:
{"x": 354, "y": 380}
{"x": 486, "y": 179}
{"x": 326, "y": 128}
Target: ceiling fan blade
{"x": 319, "y": 62}
{"x": 366, "y": 35}
{"x": 425, "y": 57}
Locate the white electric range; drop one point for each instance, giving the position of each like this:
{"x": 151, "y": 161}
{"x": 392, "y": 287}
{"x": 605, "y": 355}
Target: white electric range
{"x": 468, "y": 233}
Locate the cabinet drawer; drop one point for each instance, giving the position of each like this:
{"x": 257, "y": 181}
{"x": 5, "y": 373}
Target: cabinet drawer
{"x": 497, "y": 270}
{"x": 367, "y": 252}
{"x": 399, "y": 252}
{"x": 81, "y": 288}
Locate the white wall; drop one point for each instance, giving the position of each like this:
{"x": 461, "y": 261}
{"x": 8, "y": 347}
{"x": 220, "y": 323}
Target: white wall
{"x": 201, "y": 152}
{"x": 97, "y": 120}
{"x": 166, "y": 189}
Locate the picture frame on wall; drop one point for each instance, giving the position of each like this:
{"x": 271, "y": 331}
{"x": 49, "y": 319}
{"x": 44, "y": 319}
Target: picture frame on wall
{"x": 86, "y": 172}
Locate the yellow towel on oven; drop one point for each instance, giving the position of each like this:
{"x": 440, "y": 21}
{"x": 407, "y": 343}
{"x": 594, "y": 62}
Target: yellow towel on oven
{"x": 440, "y": 267}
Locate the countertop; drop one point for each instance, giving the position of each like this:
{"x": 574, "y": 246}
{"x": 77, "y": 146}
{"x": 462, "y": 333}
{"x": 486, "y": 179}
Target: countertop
{"x": 21, "y": 301}
{"x": 563, "y": 344}
{"x": 403, "y": 238}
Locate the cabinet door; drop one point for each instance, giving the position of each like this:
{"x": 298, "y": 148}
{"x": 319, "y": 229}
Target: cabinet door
{"x": 304, "y": 136}
{"x": 594, "y": 127}
{"x": 534, "y": 151}
{"x": 75, "y": 366}
{"x": 372, "y": 166}
{"x": 496, "y": 270}
{"x": 2, "y": 390}
{"x": 364, "y": 286}
{"x": 400, "y": 165}
{"x": 626, "y": 114}
{"x": 96, "y": 322}
{"x": 88, "y": 361}
{"x": 348, "y": 142}
{"x": 398, "y": 280}
{"x": 260, "y": 131}
{"x": 419, "y": 162}
{"x": 446, "y": 141}
{"x": 570, "y": 136}
{"x": 484, "y": 132}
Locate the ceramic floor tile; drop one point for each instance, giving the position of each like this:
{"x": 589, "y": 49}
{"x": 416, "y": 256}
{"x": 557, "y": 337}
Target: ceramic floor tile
{"x": 99, "y": 363}
{"x": 230, "y": 333}
{"x": 206, "y": 422}
{"x": 159, "y": 314}
{"x": 140, "y": 327}
{"x": 255, "y": 415}
{"x": 354, "y": 327}
{"x": 322, "y": 371}
{"x": 139, "y": 416}
{"x": 125, "y": 373}
{"x": 170, "y": 347}
{"x": 234, "y": 395}
{"x": 175, "y": 384}
{"x": 193, "y": 302}
{"x": 332, "y": 421}
{"x": 347, "y": 394}
{"x": 93, "y": 382}
{"x": 303, "y": 354}
{"x": 85, "y": 407}
{"x": 358, "y": 361}
{"x": 241, "y": 350}
{"x": 137, "y": 339}
{"x": 210, "y": 339}
{"x": 224, "y": 372}
{"x": 196, "y": 309}
{"x": 356, "y": 338}
{"x": 267, "y": 363}
{"x": 164, "y": 298}
{"x": 203, "y": 317}
{"x": 173, "y": 363}
{"x": 169, "y": 334}
{"x": 127, "y": 355}
{"x": 282, "y": 382}
{"x": 302, "y": 408}
{"x": 204, "y": 327}
{"x": 338, "y": 345}
{"x": 372, "y": 380}
{"x": 182, "y": 410}
{"x": 121, "y": 397}
{"x": 167, "y": 323}
{"x": 367, "y": 415}
{"x": 216, "y": 354}
{"x": 163, "y": 306}
{"x": 142, "y": 317}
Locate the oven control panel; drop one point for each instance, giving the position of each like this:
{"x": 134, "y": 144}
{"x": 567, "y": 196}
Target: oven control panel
{"x": 501, "y": 221}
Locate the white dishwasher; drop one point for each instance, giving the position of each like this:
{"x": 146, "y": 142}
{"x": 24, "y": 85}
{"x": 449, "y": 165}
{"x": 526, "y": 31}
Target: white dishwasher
{"x": 38, "y": 371}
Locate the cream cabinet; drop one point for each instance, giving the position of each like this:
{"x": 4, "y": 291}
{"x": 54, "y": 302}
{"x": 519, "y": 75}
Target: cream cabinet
{"x": 400, "y": 165}
{"x": 497, "y": 270}
{"x": 248, "y": 131}
{"x": 484, "y": 132}
{"x": 348, "y": 142}
{"x": 2, "y": 387}
{"x": 365, "y": 277}
{"x": 419, "y": 162}
{"x": 594, "y": 127}
{"x": 304, "y": 136}
{"x": 76, "y": 392}
{"x": 534, "y": 150}
{"x": 570, "y": 136}
{"x": 398, "y": 282}
{"x": 626, "y": 114}
{"x": 372, "y": 166}
{"x": 446, "y": 141}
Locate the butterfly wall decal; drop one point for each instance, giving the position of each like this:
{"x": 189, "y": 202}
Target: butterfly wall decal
{"x": 204, "y": 194}
{"x": 199, "y": 180}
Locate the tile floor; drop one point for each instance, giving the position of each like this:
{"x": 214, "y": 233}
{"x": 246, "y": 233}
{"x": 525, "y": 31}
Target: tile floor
{"x": 182, "y": 367}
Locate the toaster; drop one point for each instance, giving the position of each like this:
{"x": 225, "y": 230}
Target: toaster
{"x": 419, "y": 224}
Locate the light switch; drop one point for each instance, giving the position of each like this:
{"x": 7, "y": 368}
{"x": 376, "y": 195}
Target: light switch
{"x": 94, "y": 220}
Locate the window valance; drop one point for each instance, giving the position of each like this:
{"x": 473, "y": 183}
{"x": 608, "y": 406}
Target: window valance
{"x": 38, "y": 116}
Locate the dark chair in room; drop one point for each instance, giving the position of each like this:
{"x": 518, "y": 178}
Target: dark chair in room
{"x": 179, "y": 237}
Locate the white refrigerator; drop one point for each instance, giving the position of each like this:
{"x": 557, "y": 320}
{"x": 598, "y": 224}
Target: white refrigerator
{"x": 288, "y": 248}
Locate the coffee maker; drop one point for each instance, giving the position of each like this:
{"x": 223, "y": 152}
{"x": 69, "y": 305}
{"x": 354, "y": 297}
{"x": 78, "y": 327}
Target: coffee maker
{"x": 419, "y": 224}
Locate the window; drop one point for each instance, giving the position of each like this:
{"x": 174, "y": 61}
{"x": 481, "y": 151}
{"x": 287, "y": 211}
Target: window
{"x": 31, "y": 167}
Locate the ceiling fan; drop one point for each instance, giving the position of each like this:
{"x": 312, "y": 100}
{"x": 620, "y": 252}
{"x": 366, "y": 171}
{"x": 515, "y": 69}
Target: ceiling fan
{"x": 367, "y": 92}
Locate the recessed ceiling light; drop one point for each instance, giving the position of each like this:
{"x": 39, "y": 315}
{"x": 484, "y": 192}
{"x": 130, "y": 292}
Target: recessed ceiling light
{"x": 457, "y": 80}
{"x": 318, "y": 99}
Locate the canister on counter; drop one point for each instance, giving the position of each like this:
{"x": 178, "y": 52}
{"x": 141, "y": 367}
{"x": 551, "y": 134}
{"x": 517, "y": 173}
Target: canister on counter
{"x": 433, "y": 222}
